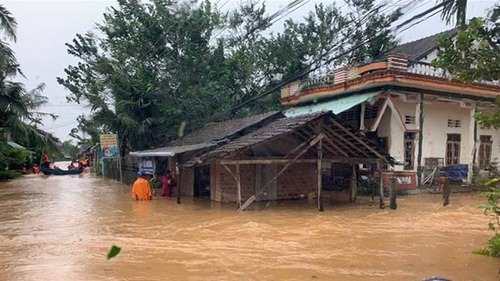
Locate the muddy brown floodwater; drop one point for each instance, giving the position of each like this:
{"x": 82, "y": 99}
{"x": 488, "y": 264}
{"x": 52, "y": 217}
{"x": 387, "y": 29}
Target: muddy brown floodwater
{"x": 61, "y": 228}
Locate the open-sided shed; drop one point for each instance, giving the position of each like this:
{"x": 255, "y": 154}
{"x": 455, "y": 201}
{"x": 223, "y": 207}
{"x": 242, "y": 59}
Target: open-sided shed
{"x": 284, "y": 159}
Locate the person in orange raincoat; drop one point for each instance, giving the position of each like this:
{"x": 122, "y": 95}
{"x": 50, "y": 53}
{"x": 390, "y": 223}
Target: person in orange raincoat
{"x": 141, "y": 190}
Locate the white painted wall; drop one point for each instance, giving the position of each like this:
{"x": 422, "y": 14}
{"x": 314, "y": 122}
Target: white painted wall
{"x": 436, "y": 129}
{"x": 431, "y": 56}
{"x": 435, "y": 132}
{"x": 495, "y": 146}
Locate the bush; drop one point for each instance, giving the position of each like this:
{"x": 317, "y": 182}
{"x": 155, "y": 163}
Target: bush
{"x": 492, "y": 247}
{"x": 9, "y": 174}
{"x": 492, "y": 207}
{"x": 12, "y": 158}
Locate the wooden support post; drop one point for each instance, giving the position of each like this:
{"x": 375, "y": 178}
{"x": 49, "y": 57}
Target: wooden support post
{"x": 354, "y": 185}
{"x": 179, "y": 182}
{"x": 312, "y": 143}
{"x": 420, "y": 140}
{"x": 392, "y": 194}
{"x": 238, "y": 183}
{"x": 475, "y": 169}
{"x": 446, "y": 192}
{"x": 362, "y": 118}
{"x": 381, "y": 187}
{"x": 320, "y": 160}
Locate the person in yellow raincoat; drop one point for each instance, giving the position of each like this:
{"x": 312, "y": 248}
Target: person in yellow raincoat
{"x": 141, "y": 190}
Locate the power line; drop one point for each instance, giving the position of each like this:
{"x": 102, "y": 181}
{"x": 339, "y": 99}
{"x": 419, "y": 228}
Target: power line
{"x": 302, "y": 73}
{"x": 61, "y": 125}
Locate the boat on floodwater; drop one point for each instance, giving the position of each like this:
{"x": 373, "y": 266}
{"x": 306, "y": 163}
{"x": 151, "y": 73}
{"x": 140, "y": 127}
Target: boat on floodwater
{"x": 58, "y": 172}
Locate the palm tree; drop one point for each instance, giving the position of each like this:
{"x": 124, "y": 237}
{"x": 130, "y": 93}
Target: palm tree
{"x": 18, "y": 107}
{"x": 8, "y": 26}
{"x": 455, "y": 9}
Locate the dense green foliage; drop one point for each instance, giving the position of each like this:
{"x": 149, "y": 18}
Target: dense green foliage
{"x": 475, "y": 52}
{"x": 153, "y": 66}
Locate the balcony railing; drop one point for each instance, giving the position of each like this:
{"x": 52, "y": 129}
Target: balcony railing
{"x": 344, "y": 74}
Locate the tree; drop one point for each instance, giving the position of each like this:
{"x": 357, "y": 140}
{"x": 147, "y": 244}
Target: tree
{"x": 8, "y": 26}
{"x": 158, "y": 66}
{"x": 19, "y": 115}
{"x": 457, "y": 9}
{"x": 474, "y": 54}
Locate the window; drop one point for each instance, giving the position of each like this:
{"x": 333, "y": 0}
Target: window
{"x": 349, "y": 115}
{"x": 454, "y": 123}
{"x": 484, "y": 151}
{"x": 409, "y": 150}
{"x": 410, "y": 119}
{"x": 371, "y": 112}
{"x": 453, "y": 149}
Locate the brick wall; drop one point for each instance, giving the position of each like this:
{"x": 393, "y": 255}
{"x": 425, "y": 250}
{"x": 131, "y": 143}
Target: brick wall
{"x": 298, "y": 179}
{"x": 226, "y": 189}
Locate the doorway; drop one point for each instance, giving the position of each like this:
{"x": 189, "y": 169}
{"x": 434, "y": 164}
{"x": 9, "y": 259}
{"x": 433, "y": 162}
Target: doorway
{"x": 202, "y": 181}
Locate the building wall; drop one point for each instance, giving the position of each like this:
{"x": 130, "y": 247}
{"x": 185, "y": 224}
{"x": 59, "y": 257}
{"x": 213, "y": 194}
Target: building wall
{"x": 226, "y": 188}
{"x": 436, "y": 131}
{"x": 296, "y": 182}
{"x": 430, "y": 57}
{"x": 495, "y": 146}
{"x": 186, "y": 181}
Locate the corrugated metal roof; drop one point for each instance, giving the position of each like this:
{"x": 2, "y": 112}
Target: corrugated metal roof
{"x": 15, "y": 145}
{"x": 211, "y": 135}
{"x": 213, "y": 132}
{"x": 336, "y": 106}
{"x": 170, "y": 151}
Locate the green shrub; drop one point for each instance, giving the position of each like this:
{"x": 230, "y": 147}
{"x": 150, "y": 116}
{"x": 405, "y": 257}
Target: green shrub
{"x": 492, "y": 207}
{"x": 492, "y": 247}
{"x": 9, "y": 174}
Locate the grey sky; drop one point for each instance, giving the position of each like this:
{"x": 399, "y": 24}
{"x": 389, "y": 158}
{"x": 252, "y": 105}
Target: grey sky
{"x": 45, "y": 26}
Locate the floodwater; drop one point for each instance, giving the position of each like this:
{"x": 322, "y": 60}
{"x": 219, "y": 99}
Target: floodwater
{"x": 61, "y": 228}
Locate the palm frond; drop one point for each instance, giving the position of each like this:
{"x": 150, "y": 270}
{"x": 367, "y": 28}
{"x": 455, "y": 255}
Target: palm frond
{"x": 455, "y": 9}
{"x": 8, "y": 23}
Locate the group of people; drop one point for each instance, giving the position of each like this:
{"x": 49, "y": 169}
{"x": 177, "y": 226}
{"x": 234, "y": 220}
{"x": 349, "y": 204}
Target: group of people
{"x": 141, "y": 190}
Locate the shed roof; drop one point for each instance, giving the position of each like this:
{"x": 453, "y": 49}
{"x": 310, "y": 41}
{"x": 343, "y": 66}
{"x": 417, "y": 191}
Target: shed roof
{"x": 210, "y": 135}
{"x": 417, "y": 49}
{"x": 170, "y": 151}
{"x": 341, "y": 141}
{"x": 216, "y": 131}
{"x": 15, "y": 145}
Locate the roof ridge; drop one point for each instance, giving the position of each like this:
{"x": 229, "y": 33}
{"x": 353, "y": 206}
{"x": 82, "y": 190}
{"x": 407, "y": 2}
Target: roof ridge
{"x": 242, "y": 118}
{"x": 427, "y": 37}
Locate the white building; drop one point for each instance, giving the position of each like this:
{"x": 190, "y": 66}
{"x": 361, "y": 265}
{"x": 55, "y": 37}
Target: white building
{"x": 384, "y": 100}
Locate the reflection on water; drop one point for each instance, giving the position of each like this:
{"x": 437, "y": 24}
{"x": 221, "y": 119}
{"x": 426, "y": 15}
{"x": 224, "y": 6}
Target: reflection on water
{"x": 60, "y": 228}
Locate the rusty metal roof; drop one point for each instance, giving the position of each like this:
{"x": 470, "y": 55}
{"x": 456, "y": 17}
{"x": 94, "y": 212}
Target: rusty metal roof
{"x": 211, "y": 135}
{"x": 213, "y": 132}
{"x": 341, "y": 138}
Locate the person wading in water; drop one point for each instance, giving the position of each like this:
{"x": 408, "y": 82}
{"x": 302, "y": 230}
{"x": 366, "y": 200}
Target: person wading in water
{"x": 45, "y": 161}
{"x": 444, "y": 184}
{"x": 141, "y": 190}
{"x": 168, "y": 183}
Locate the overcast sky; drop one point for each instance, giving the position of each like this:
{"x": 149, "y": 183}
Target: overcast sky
{"x": 45, "y": 26}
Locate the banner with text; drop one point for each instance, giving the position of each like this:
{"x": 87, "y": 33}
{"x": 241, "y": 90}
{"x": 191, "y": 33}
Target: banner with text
{"x": 109, "y": 146}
